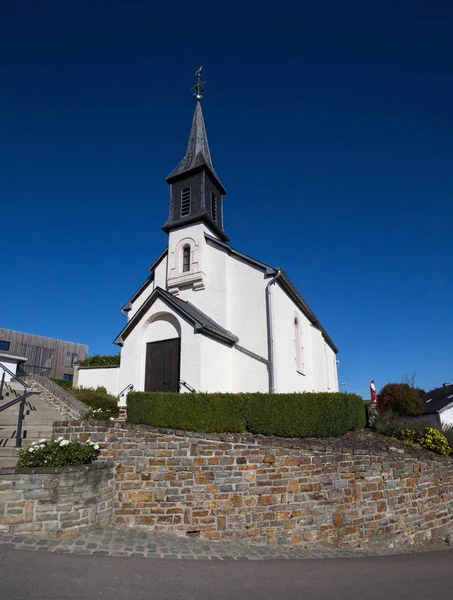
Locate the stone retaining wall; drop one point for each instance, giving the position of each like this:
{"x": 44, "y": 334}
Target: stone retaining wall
{"x": 231, "y": 487}
{"x": 56, "y": 502}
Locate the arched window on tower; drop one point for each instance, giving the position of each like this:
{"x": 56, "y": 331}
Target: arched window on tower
{"x": 185, "y": 202}
{"x": 298, "y": 345}
{"x": 186, "y": 259}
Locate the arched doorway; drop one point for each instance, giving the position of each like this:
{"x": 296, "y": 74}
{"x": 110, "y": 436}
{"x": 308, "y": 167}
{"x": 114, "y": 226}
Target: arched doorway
{"x": 163, "y": 354}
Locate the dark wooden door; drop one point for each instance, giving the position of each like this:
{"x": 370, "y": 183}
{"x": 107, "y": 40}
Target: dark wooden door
{"x": 162, "y": 366}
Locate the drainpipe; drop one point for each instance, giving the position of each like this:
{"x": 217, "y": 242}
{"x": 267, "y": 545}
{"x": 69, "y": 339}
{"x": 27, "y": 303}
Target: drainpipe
{"x": 270, "y": 332}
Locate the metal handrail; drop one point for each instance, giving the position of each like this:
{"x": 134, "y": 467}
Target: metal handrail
{"x": 22, "y": 399}
{"x": 11, "y": 374}
{"x": 128, "y": 387}
{"x": 188, "y": 386}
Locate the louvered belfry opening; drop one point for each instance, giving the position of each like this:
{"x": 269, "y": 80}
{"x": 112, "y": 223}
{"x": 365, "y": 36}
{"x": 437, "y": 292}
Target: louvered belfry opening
{"x": 185, "y": 202}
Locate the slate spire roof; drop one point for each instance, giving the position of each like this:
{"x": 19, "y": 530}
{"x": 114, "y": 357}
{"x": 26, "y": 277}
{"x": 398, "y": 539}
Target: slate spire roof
{"x": 197, "y": 152}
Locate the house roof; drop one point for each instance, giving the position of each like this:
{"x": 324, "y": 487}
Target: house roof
{"x": 438, "y": 400}
{"x": 201, "y": 322}
{"x": 286, "y": 284}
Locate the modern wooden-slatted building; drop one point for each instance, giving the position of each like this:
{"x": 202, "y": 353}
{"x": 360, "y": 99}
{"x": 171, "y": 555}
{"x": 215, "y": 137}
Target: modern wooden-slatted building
{"x": 44, "y": 356}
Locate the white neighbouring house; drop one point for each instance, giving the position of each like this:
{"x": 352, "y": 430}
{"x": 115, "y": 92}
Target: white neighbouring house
{"x": 210, "y": 318}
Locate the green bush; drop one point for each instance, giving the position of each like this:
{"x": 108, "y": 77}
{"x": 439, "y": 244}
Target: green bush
{"x": 59, "y": 453}
{"x": 429, "y": 438}
{"x": 285, "y": 415}
{"x": 64, "y": 383}
{"x": 102, "y": 360}
{"x": 401, "y": 399}
{"x": 388, "y": 423}
{"x": 97, "y": 399}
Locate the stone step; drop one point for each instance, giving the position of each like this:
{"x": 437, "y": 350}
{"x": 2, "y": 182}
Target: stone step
{"x": 37, "y": 432}
{"x": 8, "y": 456}
{"x": 9, "y": 452}
{"x": 8, "y": 462}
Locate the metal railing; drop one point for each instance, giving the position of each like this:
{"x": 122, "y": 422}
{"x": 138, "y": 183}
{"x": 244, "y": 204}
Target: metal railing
{"x": 128, "y": 388}
{"x": 22, "y": 399}
{"x": 11, "y": 374}
{"x": 188, "y": 386}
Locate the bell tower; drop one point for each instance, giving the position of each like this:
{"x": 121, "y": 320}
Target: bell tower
{"x": 196, "y": 192}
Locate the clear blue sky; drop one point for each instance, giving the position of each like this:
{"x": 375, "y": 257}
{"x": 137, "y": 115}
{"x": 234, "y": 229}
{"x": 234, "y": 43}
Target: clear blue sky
{"x": 330, "y": 124}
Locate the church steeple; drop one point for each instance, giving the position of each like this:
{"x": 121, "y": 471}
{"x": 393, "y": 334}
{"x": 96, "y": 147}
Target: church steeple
{"x": 196, "y": 192}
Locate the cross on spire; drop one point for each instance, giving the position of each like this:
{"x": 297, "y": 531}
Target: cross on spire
{"x": 198, "y": 88}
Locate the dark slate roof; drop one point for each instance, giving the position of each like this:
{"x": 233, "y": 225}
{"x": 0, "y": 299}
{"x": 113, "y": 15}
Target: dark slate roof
{"x": 285, "y": 282}
{"x": 197, "y": 152}
{"x": 439, "y": 399}
{"x": 201, "y": 322}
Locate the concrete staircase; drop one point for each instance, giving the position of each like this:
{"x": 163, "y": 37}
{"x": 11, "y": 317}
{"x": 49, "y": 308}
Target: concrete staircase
{"x": 39, "y": 415}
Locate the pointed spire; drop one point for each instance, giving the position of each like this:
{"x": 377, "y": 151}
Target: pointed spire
{"x": 197, "y": 152}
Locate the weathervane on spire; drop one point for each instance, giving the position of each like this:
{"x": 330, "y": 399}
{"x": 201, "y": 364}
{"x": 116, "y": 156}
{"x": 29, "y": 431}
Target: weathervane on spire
{"x": 198, "y": 88}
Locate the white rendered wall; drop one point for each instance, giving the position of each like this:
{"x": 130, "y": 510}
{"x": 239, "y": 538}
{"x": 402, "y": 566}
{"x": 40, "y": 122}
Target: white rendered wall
{"x": 248, "y": 374}
{"x": 93, "y": 377}
{"x": 216, "y": 361}
{"x": 160, "y": 280}
{"x": 160, "y": 274}
{"x": 287, "y": 376}
{"x": 318, "y": 372}
{"x": 446, "y": 416}
{"x": 247, "y": 306}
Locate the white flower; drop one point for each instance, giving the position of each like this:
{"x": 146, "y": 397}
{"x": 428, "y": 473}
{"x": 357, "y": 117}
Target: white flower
{"x": 59, "y": 439}
{"x": 112, "y": 418}
{"x": 34, "y": 443}
{"x": 42, "y": 441}
{"x": 41, "y": 446}
{"x": 96, "y": 446}
{"x": 64, "y": 443}
{"x": 31, "y": 449}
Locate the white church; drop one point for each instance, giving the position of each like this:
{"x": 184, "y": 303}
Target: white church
{"x": 210, "y": 318}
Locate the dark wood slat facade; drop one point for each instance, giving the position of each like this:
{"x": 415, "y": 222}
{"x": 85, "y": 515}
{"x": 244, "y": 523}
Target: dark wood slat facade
{"x": 45, "y": 356}
{"x": 162, "y": 366}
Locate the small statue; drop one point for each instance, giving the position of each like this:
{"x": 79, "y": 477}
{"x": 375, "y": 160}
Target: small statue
{"x": 373, "y": 391}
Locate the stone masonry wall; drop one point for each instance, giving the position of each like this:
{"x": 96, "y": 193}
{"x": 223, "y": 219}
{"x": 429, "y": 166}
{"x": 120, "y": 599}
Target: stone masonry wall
{"x": 266, "y": 491}
{"x": 55, "y": 502}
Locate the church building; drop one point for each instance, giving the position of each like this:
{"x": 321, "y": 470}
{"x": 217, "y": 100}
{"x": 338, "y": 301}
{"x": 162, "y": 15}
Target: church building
{"x": 210, "y": 318}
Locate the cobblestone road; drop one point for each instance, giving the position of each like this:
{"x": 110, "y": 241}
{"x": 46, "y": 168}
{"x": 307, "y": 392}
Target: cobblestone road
{"x": 140, "y": 543}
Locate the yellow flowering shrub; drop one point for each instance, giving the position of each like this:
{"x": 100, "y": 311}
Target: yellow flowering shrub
{"x": 429, "y": 438}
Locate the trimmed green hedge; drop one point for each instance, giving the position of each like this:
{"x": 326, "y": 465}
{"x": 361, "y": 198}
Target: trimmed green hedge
{"x": 286, "y": 415}
{"x": 102, "y": 360}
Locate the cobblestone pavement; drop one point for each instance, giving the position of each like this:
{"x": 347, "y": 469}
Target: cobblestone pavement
{"x": 145, "y": 544}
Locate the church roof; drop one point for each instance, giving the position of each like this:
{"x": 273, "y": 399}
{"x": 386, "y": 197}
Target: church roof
{"x": 197, "y": 152}
{"x": 285, "y": 282}
{"x": 201, "y": 322}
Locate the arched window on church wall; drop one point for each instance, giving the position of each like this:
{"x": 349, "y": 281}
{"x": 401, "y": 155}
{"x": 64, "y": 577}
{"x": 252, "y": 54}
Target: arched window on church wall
{"x": 298, "y": 345}
{"x": 186, "y": 258}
